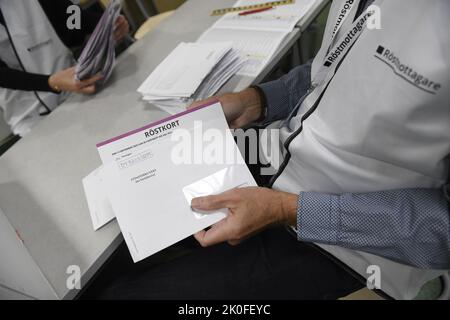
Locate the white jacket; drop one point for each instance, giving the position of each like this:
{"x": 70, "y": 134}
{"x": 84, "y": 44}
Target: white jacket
{"x": 348, "y": 146}
{"x": 40, "y": 51}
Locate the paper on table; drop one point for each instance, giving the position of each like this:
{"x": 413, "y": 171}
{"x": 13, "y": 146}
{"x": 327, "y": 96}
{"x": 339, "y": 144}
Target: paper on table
{"x": 145, "y": 183}
{"x": 229, "y": 65}
{"x": 98, "y": 55}
{"x": 98, "y": 203}
{"x": 184, "y": 69}
{"x": 258, "y": 35}
{"x": 257, "y": 46}
{"x": 172, "y": 107}
{"x": 281, "y": 18}
{"x": 192, "y": 71}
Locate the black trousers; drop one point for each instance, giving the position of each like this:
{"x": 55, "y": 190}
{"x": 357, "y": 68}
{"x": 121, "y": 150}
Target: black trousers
{"x": 271, "y": 265}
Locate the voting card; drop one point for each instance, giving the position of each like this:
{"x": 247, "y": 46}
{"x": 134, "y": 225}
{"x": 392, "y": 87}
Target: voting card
{"x": 154, "y": 172}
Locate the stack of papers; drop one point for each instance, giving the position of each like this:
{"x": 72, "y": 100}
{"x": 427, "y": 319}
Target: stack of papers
{"x": 99, "y": 55}
{"x": 257, "y": 36}
{"x": 192, "y": 71}
{"x": 148, "y": 185}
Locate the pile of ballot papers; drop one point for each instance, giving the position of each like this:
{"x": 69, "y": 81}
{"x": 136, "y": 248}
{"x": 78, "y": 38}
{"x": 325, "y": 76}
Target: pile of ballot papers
{"x": 191, "y": 72}
{"x": 99, "y": 55}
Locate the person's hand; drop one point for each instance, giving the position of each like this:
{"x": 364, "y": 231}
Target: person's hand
{"x": 122, "y": 28}
{"x": 65, "y": 81}
{"x": 240, "y": 108}
{"x": 250, "y": 210}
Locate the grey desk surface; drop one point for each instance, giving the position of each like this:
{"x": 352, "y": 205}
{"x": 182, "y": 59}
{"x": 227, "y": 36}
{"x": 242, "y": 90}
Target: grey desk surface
{"x": 40, "y": 177}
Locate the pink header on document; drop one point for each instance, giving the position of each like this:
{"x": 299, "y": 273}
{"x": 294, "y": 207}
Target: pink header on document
{"x": 175, "y": 116}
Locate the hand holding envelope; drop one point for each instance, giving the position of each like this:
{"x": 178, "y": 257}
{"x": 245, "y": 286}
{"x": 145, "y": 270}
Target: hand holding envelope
{"x": 65, "y": 81}
{"x": 150, "y": 190}
{"x": 250, "y": 210}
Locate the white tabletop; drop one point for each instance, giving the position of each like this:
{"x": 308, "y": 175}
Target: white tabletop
{"x": 40, "y": 177}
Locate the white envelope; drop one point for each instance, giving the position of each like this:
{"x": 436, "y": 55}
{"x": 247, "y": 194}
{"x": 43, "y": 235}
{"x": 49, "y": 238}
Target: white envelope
{"x": 99, "y": 205}
{"x": 224, "y": 180}
{"x": 150, "y": 193}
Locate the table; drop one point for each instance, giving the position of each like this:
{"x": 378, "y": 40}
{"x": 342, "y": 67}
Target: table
{"x": 40, "y": 177}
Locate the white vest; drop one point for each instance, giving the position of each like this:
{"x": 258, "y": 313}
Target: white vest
{"x": 40, "y": 51}
{"x": 375, "y": 128}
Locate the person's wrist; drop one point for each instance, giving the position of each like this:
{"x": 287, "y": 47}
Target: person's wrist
{"x": 53, "y": 84}
{"x": 289, "y": 208}
{"x": 262, "y": 103}
{"x": 251, "y": 98}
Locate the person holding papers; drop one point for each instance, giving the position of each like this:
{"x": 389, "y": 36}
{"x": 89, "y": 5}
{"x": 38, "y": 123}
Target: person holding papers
{"x": 363, "y": 170}
{"x": 36, "y": 65}
{"x": 364, "y": 177}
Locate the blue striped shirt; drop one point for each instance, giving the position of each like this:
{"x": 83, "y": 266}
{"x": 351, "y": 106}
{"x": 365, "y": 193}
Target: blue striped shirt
{"x": 410, "y": 226}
